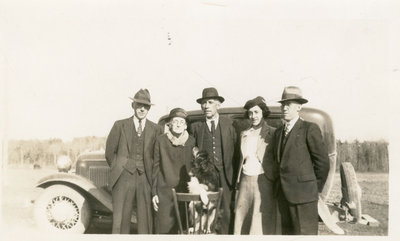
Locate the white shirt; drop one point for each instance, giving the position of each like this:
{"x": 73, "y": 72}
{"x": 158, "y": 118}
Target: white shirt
{"x": 291, "y": 123}
{"x": 252, "y": 165}
{"x": 215, "y": 119}
{"x": 136, "y": 122}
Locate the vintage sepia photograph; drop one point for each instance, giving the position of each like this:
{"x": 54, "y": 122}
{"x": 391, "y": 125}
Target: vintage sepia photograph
{"x": 164, "y": 118}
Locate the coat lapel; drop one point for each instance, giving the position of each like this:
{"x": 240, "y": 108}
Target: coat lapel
{"x": 148, "y": 133}
{"x": 202, "y": 128}
{"x": 279, "y": 137}
{"x": 224, "y": 133}
{"x": 243, "y": 146}
{"x": 128, "y": 131}
{"x": 243, "y": 141}
{"x": 262, "y": 142}
{"x": 292, "y": 136}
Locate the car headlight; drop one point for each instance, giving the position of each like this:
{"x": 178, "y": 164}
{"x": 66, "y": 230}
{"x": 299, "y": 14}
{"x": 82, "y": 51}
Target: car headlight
{"x": 64, "y": 163}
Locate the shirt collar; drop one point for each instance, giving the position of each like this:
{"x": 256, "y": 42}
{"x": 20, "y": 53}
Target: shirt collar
{"x": 292, "y": 123}
{"x": 136, "y": 122}
{"x": 215, "y": 119}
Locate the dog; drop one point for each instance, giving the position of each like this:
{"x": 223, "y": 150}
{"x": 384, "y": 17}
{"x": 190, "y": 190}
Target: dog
{"x": 203, "y": 178}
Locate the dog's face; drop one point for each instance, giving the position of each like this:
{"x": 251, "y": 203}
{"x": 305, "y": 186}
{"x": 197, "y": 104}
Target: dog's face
{"x": 205, "y": 171}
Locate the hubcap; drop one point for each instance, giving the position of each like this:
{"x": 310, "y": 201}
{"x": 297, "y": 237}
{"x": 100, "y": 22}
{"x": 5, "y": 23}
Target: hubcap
{"x": 62, "y": 212}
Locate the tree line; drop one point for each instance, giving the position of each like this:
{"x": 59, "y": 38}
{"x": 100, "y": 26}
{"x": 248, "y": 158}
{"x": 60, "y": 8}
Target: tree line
{"x": 46, "y": 152}
{"x": 367, "y": 156}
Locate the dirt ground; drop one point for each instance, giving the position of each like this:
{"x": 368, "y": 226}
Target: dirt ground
{"x": 18, "y": 191}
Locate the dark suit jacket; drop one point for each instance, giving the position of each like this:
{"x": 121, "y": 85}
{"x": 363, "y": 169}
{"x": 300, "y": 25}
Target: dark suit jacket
{"x": 304, "y": 164}
{"x": 266, "y": 134}
{"x": 120, "y": 143}
{"x": 228, "y": 138}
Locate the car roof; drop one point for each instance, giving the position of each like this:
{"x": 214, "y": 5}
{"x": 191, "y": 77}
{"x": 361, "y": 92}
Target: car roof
{"x": 317, "y": 116}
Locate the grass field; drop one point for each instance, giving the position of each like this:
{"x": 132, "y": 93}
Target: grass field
{"x": 374, "y": 202}
{"x": 18, "y": 191}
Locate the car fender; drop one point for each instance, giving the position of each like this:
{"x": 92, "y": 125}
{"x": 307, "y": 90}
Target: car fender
{"x": 99, "y": 198}
{"x": 330, "y": 178}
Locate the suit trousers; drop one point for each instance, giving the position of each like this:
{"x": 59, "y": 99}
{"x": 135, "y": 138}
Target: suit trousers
{"x": 298, "y": 219}
{"x": 131, "y": 189}
{"x": 226, "y": 222}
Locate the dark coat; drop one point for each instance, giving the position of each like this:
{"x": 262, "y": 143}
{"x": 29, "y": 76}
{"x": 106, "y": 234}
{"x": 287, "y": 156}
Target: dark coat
{"x": 120, "y": 144}
{"x": 170, "y": 170}
{"x": 304, "y": 164}
{"x": 171, "y": 163}
{"x": 228, "y": 139}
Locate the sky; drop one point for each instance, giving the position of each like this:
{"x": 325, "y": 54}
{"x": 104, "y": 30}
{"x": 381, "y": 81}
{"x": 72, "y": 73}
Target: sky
{"x": 68, "y": 68}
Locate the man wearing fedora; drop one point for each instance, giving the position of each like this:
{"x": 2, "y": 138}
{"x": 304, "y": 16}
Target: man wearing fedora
{"x": 300, "y": 166}
{"x": 216, "y": 135}
{"x": 129, "y": 153}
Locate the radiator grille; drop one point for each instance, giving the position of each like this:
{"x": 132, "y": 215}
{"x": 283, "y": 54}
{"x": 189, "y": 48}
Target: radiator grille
{"x": 99, "y": 175}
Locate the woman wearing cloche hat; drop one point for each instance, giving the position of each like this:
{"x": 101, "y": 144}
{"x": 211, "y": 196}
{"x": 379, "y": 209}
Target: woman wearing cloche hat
{"x": 255, "y": 196}
{"x": 172, "y": 158}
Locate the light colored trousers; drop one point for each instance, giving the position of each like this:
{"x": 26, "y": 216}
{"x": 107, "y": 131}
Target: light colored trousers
{"x": 249, "y": 216}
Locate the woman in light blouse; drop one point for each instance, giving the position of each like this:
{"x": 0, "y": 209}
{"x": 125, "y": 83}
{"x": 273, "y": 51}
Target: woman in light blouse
{"x": 255, "y": 210}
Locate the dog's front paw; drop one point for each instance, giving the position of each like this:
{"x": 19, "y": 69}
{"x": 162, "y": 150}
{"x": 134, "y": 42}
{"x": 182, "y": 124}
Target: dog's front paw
{"x": 204, "y": 196}
{"x": 191, "y": 230}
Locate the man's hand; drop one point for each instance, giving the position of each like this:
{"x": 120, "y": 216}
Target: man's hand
{"x": 155, "y": 202}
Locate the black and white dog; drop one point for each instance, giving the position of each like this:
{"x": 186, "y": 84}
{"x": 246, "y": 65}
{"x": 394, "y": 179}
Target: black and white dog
{"x": 203, "y": 178}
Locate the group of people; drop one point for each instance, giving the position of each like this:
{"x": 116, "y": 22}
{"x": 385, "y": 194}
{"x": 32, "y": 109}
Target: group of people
{"x": 270, "y": 177}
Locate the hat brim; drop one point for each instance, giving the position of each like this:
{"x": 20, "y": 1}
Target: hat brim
{"x": 141, "y": 101}
{"x": 220, "y": 98}
{"x": 299, "y": 100}
{"x": 169, "y": 118}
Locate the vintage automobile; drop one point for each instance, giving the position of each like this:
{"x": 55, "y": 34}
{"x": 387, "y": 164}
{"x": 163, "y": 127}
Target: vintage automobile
{"x": 71, "y": 201}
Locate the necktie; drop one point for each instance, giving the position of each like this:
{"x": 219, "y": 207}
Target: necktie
{"x": 213, "y": 127}
{"x": 286, "y": 129}
{"x": 285, "y": 137}
{"x": 139, "y": 129}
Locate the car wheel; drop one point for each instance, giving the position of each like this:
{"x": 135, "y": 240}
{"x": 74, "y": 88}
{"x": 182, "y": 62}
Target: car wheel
{"x": 61, "y": 208}
{"x": 351, "y": 191}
